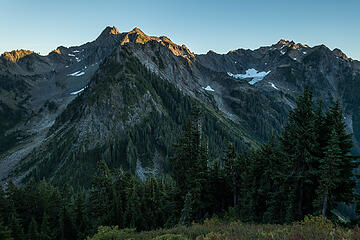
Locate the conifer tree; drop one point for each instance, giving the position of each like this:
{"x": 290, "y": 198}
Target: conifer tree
{"x": 329, "y": 174}
{"x": 190, "y": 170}
{"x": 80, "y": 217}
{"x": 344, "y": 191}
{"x": 5, "y": 232}
{"x": 336, "y": 181}
{"x": 45, "y": 231}
{"x": 187, "y": 212}
{"x": 132, "y": 214}
{"x": 17, "y": 231}
{"x": 299, "y": 147}
{"x": 103, "y": 196}
{"x": 231, "y": 169}
{"x": 66, "y": 227}
{"x": 33, "y": 233}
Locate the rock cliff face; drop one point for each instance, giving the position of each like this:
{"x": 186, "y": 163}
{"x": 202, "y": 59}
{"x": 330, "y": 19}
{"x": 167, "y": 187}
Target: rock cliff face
{"x": 123, "y": 98}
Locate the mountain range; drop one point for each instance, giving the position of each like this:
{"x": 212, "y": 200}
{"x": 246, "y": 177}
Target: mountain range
{"x": 124, "y": 97}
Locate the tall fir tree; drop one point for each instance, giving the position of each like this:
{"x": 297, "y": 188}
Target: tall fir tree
{"x": 231, "y": 169}
{"x": 187, "y": 211}
{"x": 329, "y": 174}
{"x": 5, "y": 232}
{"x": 336, "y": 167}
{"x": 299, "y": 147}
{"x": 17, "y": 231}
{"x": 190, "y": 164}
{"x": 45, "y": 231}
{"x": 33, "y": 233}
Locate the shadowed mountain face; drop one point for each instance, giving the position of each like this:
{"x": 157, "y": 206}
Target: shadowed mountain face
{"x": 123, "y": 98}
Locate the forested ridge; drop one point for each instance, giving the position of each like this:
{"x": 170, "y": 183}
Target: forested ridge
{"x": 142, "y": 115}
{"x": 305, "y": 170}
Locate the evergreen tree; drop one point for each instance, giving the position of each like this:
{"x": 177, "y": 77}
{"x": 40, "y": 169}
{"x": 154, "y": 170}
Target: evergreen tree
{"x": 344, "y": 191}
{"x": 231, "y": 168}
{"x": 17, "y": 231}
{"x": 33, "y": 233}
{"x": 329, "y": 174}
{"x": 190, "y": 170}
{"x": 187, "y": 212}
{"x": 336, "y": 181}
{"x": 299, "y": 147}
{"x": 67, "y": 229}
{"x": 265, "y": 162}
{"x": 81, "y": 220}
{"x": 133, "y": 216}
{"x": 5, "y": 232}
{"x": 102, "y": 196}
{"x": 45, "y": 231}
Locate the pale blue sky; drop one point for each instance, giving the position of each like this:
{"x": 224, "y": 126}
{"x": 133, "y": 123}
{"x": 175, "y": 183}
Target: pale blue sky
{"x": 222, "y": 25}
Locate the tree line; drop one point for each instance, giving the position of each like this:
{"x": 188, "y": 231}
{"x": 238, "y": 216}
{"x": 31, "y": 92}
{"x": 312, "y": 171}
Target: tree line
{"x": 308, "y": 169}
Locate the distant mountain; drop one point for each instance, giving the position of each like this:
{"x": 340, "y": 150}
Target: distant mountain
{"x": 123, "y": 98}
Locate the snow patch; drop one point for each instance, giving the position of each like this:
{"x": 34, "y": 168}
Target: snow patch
{"x": 71, "y": 55}
{"x": 76, "y": 51}
{"x": 76, "y": 74}
{"x": 304, "y": 52}
{"x": 76, "y": 92}
{"x": 294, "y": 59}
{"x": 208, "y": 88}
{"x": 251, "y": 73}
{"x": 273, "y": 85}
{"x": 282, "y": 52}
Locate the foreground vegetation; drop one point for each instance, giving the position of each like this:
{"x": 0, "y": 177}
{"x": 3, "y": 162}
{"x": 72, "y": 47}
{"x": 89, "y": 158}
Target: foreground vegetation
{"x": 310, "y": 228}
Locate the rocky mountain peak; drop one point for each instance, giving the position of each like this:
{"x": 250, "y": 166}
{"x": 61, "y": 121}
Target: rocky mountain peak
{"x": 16, "y": 55}
{"x": 114, "y": 30}
{"x": 137, "y": 36}
{"x": 107, "y": 32}
{"x": 138, "y": 31}
{"x": 110, "y": 30}
{"x": 290, "y": 44}
{"x": 338, "y": 53}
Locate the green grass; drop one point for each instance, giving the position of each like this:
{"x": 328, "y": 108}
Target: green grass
{"x": 310, "y": 228}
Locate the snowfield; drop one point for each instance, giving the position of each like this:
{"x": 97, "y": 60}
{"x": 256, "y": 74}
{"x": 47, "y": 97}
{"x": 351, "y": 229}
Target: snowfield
{"x": 76, "y": 92}
{"x": 76, "y": 74}
{"x": 250, "y": 73}
{"x": 273, "y": 86}
{"x": 208, "y": 88}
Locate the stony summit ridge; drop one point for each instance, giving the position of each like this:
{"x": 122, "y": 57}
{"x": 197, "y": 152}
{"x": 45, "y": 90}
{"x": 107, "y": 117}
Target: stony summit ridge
{"x": 125, "y": 96}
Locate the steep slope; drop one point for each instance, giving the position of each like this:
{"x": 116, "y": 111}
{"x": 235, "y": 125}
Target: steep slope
{"x": 128, "y": 117}
{"x": 129, "y": 109}
{"x": 35, "y": 89}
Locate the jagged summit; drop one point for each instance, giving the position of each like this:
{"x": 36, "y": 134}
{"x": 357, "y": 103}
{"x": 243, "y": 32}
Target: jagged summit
{"x": 110, "y": 30}
{"x": 137, "y": 30}
{"x": 337, "y": 52}
{"x": 290, "y": 44}
{"x": 15, "y": 55}
{"x": 137, "y": 36}
{"x": 107, "y": 32}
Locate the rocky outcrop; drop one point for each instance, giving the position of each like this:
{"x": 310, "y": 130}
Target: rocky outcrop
{"x": 252, "y": 90}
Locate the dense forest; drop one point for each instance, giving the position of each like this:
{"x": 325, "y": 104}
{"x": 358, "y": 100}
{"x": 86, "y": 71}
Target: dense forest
{"x": 305, "y": 170}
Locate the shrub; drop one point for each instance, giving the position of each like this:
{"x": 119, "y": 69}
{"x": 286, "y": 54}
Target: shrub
{"x": 212, "y": 236}
{"x": 170, "y": 237}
